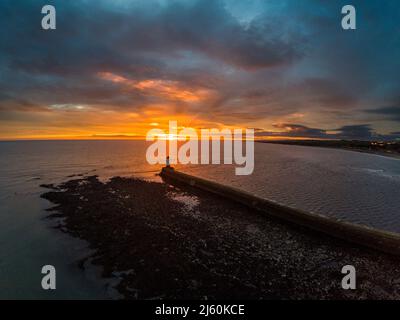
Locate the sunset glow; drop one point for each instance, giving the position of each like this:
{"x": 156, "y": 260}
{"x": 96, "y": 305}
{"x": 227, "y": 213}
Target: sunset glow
{"x": 210, "y": 64}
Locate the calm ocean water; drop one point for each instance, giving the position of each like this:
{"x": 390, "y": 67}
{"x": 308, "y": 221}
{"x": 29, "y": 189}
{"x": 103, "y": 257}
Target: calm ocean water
{"x": 357, "y": 187}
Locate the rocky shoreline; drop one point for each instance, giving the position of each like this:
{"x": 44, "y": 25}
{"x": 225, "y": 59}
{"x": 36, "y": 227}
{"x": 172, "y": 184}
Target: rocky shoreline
{"x": 174, "y": 242}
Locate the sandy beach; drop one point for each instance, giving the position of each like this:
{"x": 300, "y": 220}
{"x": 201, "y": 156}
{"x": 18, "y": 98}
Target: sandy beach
{"x": 173, "y": 242}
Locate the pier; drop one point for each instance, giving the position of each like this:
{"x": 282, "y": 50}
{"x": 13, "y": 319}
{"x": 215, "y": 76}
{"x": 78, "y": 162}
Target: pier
{"x": 384, "y": 241}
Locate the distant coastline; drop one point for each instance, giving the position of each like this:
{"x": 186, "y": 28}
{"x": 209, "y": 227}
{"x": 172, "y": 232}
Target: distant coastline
{"x": 387, "y": 149}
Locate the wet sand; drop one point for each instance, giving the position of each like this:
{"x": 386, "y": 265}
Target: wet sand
{"x": 175, "y": 242}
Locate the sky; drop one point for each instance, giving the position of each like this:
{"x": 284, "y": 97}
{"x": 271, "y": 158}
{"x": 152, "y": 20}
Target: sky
{"x": 115, "y": 69}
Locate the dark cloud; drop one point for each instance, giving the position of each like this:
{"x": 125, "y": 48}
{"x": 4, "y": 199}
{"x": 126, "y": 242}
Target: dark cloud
{"x": 349, "y": 132}
{"x": 91, "y": 37}
{"x": 356, "y": 132}
{"x": 294, "y": 131}
{"x": 260, "y": 64}
{"x": 326, "y": 93}
{"x": 391, "y": 113}
{"x": 191, "y": 42}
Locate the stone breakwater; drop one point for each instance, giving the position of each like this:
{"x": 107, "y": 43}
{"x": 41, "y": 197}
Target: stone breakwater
{"x": 376, "y": 239}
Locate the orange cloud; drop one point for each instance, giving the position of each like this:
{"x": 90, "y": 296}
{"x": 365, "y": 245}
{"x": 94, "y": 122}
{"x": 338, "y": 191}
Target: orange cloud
{"x": 168, "y": 89}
